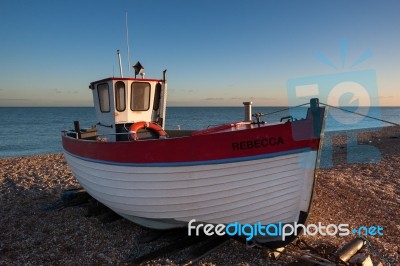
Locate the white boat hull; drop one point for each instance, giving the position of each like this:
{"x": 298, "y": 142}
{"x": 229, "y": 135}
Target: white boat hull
{"x": 268, "y": 190}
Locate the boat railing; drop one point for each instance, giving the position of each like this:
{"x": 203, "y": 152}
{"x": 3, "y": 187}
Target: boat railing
{"x": 67, "y": 132}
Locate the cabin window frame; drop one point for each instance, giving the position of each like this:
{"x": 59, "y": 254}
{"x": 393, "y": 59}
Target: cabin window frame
{"x": 104, "y": 103}
{"x": 157, "y": 96}
{"x": 119, "y": 103}
{"x": 147, "y": 104}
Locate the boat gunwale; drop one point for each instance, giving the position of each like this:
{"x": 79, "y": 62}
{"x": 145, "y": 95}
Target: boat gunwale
{"x": 195, "y": 163}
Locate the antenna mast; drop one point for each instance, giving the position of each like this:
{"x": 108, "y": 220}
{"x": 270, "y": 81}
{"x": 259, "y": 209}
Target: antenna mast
{"x": 127, "y": 43}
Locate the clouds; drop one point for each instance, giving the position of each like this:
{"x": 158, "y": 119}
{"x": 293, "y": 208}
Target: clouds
{"x": 57, "y": 91}
{"x": 238, "y": 99}
{"x": 43, "y": 97}
{"x": 8, "y": 102}
{"x": 214, "y": 99}
{"x": 13, "y": 100}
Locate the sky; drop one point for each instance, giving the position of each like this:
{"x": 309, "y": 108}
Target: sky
{"x": 218, "y": 53}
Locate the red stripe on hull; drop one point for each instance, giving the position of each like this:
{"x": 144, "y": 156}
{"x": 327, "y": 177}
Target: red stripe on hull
{"x": 226, "y": 145}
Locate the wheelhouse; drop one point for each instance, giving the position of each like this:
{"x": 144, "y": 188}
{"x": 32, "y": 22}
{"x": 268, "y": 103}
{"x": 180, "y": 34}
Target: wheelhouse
{"x": 121, "y": 102}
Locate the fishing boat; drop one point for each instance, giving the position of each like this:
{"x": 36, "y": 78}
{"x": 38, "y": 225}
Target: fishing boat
{"x": 242, "y": 171}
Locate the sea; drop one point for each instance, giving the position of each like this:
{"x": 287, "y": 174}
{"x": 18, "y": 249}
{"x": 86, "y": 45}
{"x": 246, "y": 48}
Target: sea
{"x": 26, "y": 131}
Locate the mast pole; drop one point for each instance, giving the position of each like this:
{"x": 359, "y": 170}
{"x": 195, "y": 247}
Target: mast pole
{"x": 127, "y": 43}
{"x": 120, "y": 64}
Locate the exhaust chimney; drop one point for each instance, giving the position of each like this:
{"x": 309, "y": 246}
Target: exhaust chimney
{"x": 247, "y": 111}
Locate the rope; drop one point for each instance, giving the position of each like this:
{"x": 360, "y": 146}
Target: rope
{"x": 371, "y": 117}
{"x": 378, "y": 119}
{"x": 315, "y": 258}
{"x": 377, "y": 253}
{"x": 325, "y": 260}
{"x": 286, "y": 109}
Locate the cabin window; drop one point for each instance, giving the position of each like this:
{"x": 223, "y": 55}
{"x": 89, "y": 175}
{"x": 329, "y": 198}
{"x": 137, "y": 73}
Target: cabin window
{"x": 120, "y": 96}
{"x": 157, "y": 97}
{"x": 104, "y": 97}
{"x": 140, "y": 96}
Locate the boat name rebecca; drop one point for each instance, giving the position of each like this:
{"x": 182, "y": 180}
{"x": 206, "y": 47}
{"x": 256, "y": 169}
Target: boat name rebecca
{"x": 257, "y": 143}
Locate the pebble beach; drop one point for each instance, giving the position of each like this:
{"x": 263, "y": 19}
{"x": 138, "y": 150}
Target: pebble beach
{"x": 31, "y": 233}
